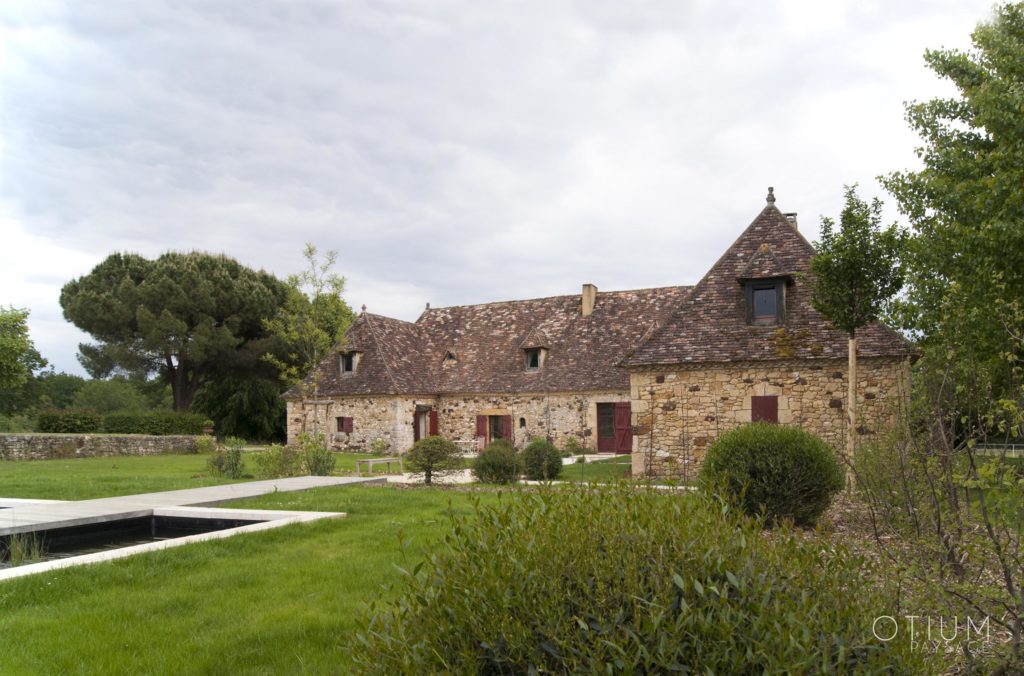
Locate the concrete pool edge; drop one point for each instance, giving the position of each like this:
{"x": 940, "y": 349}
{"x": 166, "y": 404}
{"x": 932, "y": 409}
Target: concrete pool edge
{"x": 268, "y": 519}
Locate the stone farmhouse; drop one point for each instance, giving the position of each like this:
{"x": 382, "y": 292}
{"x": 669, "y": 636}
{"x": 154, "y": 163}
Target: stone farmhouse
{"x": 657, "y": 373}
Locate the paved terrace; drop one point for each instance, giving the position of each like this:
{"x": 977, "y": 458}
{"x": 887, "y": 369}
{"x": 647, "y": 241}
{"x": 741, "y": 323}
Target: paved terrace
{"x": 32, "y": 515}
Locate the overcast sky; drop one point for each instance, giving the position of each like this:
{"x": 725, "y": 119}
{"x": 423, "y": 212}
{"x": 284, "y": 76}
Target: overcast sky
{"x": 451, "y": 151}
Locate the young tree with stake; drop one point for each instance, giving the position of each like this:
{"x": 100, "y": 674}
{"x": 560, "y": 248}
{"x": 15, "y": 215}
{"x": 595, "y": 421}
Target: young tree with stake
{"x": 857, "y": 269}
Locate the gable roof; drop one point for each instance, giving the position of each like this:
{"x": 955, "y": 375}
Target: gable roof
{"x": 710, "y": 324}
{"x": 489, "y": 340}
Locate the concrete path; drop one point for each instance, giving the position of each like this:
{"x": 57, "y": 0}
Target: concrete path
{"x": 24, "y": 516}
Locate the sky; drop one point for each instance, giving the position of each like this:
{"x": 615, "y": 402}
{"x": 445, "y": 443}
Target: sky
{"x": 450, "y": 151}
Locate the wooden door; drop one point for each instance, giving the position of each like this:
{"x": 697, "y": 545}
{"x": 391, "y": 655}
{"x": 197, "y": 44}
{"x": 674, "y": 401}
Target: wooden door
{"x": 606, "y": 428}
{"x": 623, "y": 428}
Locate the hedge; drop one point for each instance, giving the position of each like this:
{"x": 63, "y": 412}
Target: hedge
{"x": 74, "y": 421}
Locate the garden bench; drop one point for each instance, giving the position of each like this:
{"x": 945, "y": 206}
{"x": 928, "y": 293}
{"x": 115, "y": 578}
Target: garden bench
{"x": 370, "y": 462}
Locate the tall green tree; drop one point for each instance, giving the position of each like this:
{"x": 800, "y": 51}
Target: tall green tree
{"x": 314, "y": 317}
{"x": 965, "y": 296}
{"x": 182, "y": 316}
{"x": 856, "y": 270}
{"x": 18, "y": 356}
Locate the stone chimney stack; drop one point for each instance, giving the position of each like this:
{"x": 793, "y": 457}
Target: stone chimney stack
{"x": 791, "y": 217}
{"x": 589, "y": 299}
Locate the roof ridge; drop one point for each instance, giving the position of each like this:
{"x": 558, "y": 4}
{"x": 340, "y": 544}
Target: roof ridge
{"x": 564, "y": 295}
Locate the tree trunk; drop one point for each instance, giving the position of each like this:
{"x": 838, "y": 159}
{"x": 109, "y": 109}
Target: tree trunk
{"x": 851, "y": 400}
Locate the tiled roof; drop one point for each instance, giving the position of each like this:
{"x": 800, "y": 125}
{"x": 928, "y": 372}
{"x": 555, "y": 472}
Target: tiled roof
{"x": 710, "y": 324}
{"x": 488, "y": 342}
{"x": 645, "y": 327}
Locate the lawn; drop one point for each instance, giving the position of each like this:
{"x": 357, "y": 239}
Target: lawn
{"x": 280, "y": 601}
{"x": 86, "y": 478}
{"x": 603, "y": 470}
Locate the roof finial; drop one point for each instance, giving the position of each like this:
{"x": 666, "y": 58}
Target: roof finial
{"x": 771, "y": 195}
{"x": 364, "y": 307}
{"x": 428, "y": 304}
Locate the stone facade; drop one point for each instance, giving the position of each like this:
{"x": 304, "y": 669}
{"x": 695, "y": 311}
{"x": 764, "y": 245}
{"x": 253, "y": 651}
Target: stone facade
{"x": 556, "y": 415}
{"x": 679, "y": 410}
{"x": 51, "y": 446}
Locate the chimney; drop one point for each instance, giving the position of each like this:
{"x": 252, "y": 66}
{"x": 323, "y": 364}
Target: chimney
{"x": 791, "y": 217}
{"x": 589, "y": 299}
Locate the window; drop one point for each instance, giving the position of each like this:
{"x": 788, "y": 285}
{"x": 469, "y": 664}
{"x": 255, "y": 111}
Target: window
{"x": 765, "y": 301}
{"x": 533, "y": 358}
{"x": 348, "y": 362}
{"x": 522, "y": 423}
{"x": 344, "y": 424}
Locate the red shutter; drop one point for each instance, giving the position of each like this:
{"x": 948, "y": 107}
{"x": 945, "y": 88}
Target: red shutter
{"x": 506, "y": 427}
{"x": 764, "y": 409}
{"x": 433, "y": 423}
{"x": 623, "y": 428}
{"x": 347, "y": 425}
{"x": 481, "y": 426}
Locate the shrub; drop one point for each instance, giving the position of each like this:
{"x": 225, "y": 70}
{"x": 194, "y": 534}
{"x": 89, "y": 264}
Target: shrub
{"x": 380, "y": 446}
{"x": 787, "y": 472}
{"x": 541, "y": 461}
{"x": 69, "y": 421}
{"x": 277, "y": 461}
{"x": 647, "y": 583}
{"x": 317, "y": 458}
{"x": 227, "y": 461}
{"x": 497, "y": 464}
{"x": 205, "y": 444}
{"x": 573, "y": 447}
{"x": 160, "y": 423}
{"x": 433, "y": 456}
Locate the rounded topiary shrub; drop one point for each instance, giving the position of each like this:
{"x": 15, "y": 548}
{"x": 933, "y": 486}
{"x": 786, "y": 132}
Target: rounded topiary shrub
{"x": 433, "y": 456}
{"x": 787, "y": 472}
{"x": 541, "y": 461}
{"x": 497, "y": 464}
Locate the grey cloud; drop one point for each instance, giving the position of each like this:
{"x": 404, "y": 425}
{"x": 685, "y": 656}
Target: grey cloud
{"x": 459, "y": 151}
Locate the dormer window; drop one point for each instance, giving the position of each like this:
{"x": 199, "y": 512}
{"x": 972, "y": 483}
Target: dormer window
{"x": 534, "y": 358}
{"x": 449, "y": 356}
{"x": 348, "y": 362}
{"x": 766, "y": 302}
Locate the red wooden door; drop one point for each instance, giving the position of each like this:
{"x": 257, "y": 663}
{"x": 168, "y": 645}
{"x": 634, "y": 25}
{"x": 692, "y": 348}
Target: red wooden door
{"x": 764, "y": 409}
{"x": 433, "y": 426}
{"x": 623, "y": 428}
{"x": 606, "y": 428}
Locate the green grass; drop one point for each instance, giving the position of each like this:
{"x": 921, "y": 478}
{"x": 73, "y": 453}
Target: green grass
{"x": 87, "y": 478}
{"x": 611, "y": 469}
{"x": 281, "y": 601}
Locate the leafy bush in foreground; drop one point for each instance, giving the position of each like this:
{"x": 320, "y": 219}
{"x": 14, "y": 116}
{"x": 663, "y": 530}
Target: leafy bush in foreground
{"x": 788, "y": 472}
{"x": 629, "y": 580}
{"x": 541, "y": 461}
{"x": 497, "y": 464}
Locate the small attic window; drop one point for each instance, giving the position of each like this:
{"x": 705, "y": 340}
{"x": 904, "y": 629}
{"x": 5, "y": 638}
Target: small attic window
{"x": 347, "y": 362}
{"x": 534, "y": 358}
{"x": 448, "y": 356}
{"x": 765, "y": 302}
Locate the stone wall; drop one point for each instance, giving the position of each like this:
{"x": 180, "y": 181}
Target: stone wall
{"x": 390, "y": 418}
{"x": 678, "y": 411}
{"x": 376, "y": 417}
{"x": 51, "y": 446}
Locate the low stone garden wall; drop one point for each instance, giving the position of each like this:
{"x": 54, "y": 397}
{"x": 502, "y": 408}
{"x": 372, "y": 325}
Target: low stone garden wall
{"x": 51, "y": 446}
